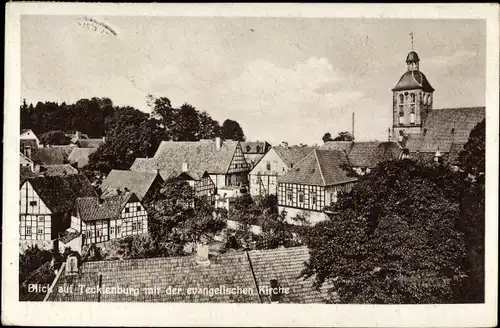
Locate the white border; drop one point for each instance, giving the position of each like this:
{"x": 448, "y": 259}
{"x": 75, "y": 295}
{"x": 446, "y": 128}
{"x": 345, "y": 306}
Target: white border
{"x": 118, "y": 314}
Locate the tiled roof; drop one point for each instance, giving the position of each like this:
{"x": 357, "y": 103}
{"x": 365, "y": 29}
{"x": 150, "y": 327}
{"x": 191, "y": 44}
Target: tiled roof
{"x": 366, "y": 154}
{"x": 25, "y": 173}
{"x": 286, "y": 265}
{"x": 201, "y": 156}
{"x": 137, "y": 182}
{"x": 81, "y": 156}
{"x": 60, "y": 192}
{"x": 58, "y": 169}
{"x": 320, "y": 168}
{"x": 90, "y": 143}
{"x": 444, "y": 127}
{"x": 292, "y": 155}
{"x": 230, "y": 270}
{"x": 51, "y": 155}
{"x": 413, "y": 80}
{"x": 68, "y": 235}
{"x": 95, "y": 208}
{"x": 250, "y": 147}
{"x": 24, "y": 160}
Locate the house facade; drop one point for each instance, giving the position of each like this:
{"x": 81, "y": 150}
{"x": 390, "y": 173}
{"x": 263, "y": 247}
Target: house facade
{"x": 28, "y": 134}
{"x": 276, "y": 162}
{"x": 222, "y": 160}
{"x": 314, "y": 183}
{"x": 115, "y": 217}
{"x": 45, "y": 207}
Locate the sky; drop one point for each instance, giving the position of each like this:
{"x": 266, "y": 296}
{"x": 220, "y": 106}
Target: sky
{"x": 282, "y": 79}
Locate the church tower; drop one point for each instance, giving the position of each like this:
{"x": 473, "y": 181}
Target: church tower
{"x": 411, "y": 100}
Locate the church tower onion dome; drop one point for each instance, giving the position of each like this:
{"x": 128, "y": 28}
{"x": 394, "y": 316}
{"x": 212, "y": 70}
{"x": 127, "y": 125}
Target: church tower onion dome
{"x": 413, "y": 78}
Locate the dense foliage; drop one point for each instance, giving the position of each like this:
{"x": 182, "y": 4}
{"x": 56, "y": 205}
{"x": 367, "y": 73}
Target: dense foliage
{"x": 54, "y": 138}
{"x": 342, "y": 136}
{"x": 232, "y": 130}
{"x": 35, "y": 267}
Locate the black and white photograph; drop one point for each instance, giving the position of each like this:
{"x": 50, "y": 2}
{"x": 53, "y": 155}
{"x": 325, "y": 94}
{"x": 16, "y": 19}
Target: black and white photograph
{"x": 296, "y": 160}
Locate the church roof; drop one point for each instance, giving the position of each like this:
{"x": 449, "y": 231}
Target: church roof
{"x": 413, "y": 80}
{"x": 368, "y": 153}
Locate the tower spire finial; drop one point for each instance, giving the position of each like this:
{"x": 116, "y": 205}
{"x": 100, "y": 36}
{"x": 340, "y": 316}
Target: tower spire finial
{"x": 411, "y": 37}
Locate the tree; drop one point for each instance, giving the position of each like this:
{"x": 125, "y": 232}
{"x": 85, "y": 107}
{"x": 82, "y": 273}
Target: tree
{"x": 327, "y": 137}
{"x": 232, "y": 130}
{"x": 130, "y": 134}
{"x": 394, "y": 239}
{"x": 179, "y": 218}
{"x": 344, "y": 136}
{"x": 34, "y": 268}
{"x": 54, "y": 138}
{"x": 472, "y": 157}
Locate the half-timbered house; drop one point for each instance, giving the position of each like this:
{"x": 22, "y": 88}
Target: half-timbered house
{"x": 45, "y": 207}
{"x": 276, "y": 162}
{"x": 114, "y": 217}
{"x": 223, "y": 161}
{"x": 314, "y": 183}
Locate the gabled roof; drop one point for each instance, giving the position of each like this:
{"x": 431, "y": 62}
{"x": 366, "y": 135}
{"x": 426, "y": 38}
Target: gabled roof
{"x": 90, "y": 143}
{"x": 319, "y": 168}
{"x": 255, "y": 147}
{"x": 60, "y": 192}
{"x": 58, "y": 169}
{"x": 200, "y": 156}
{"x": 51, "y": 155}
{"x": 366, "y": 154}
{"x": 26, "y": 130}
{"x": 136, "y": 182}
{"x": 292, "y": 155}
{"x": 81, "y": 156}
{"x": 413, "y": 80}
{"x": 231, "y": 270}
{"x": 91, "y": 208}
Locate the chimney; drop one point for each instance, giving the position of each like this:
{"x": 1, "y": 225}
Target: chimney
{"x": 352, "y": 125}
{"x": 389, "y": 134}
{"x": 184, "y": 167}
{"x": 118, "y": 191}
{"x": 71, "y": 265}
{"x": 218, "y": 142}
{"x": 202, "y": 254}
{"x": 101, "y": 201}
{"x": 27, "y": 151}
{"x": 103, "y": 139}
{"x": 126, "y": 189}
{"x": 285, "y": 144}
{"x": 77, "y": 133}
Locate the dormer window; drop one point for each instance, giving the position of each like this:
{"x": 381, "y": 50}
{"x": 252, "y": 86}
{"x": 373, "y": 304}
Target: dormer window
{"x": 257, "y": 149}
{"x": 425, "y": 132}
{"x": 268, "y": 166}
{"x": 412, "y": 98}
{"x": 248, "y": 149}
{"x": 401, "y": 99}
{"x": 453, "y": 131}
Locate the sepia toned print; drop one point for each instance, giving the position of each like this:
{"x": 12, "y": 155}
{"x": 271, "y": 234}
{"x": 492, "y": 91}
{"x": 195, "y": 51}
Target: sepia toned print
{"x": 320, "y": 161}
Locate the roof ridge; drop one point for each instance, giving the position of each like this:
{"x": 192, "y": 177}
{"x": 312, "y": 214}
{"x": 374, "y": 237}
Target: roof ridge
{"x": 319, "y": 166}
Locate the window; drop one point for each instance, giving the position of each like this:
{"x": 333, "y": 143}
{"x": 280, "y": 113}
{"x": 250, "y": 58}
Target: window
{"x": 401, "y": 99}
{"x": 39, "y": 231}
{"x": 28, "y": 231}
{"x": 301, "y": 196}
{"x": 412, "y": 118}
{"x": 99, "y": 233}
{"x": 33, "y": 203}
{"x": 289, "y": 194}
{"x": 412, "y": 98}
{"x": 268, "y": 166}
{"x": 118, "y": 230}
{"x": 313, "y": 199}
{"x": 248, "y": 149}
{"x": 139, "y": 208}
{"x": 258, "y": 149}
{"x": 41, "y": 219}
{"x": 333, "y": 197}
{"x": 112, "y": 230}
{"x": 139, "y": 226}
{"x": 134, "y": 226}
{"x": 127, "y": 210}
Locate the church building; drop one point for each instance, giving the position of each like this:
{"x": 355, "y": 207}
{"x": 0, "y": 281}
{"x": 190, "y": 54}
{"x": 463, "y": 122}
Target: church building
{"x": 426, "y": 133}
